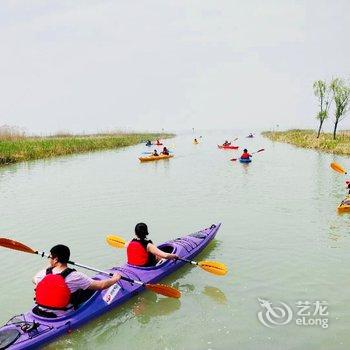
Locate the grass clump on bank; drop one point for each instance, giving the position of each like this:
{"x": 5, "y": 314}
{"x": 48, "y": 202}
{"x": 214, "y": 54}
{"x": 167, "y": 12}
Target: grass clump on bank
{"x": 308, "y": 139}
{"x": 18, "y": 148}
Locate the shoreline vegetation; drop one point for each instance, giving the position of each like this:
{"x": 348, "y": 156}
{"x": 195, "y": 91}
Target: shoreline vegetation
{"x": 17, "y": 147}
{"x": 308, "y": 139}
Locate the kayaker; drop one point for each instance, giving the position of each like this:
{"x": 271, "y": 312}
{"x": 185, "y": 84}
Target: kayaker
{"x": 245, "y": 154}
{"x": 195, "y": 141}
{"x": 148, "y": 143}
{"x": 155, "y": 153}
{"x": 60, "y": 288}
{"x": 226, "y": 143}
{"x": 158, "y": 143}
{"x": 165, "y": 151}
{"x": 348, "y": 186}
{"x": 142, "y": 252}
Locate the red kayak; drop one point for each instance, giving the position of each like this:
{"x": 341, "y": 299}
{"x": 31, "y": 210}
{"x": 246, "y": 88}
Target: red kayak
{"x": 228, "y": 147}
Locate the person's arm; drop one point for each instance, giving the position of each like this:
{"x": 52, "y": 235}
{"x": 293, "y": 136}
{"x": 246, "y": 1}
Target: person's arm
{"x": 38, "y": 277}
{"x": 156, "y": 251}
{"x": 103, "y": 284}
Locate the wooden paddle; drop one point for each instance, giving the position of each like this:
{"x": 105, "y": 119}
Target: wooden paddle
{"x": 214, "y": 267}
{"x": 260, "y": 150}
{"x": 338, "y": 168}
{"x": 157, "y": 288}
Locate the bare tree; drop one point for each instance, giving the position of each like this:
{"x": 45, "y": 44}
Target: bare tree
{"x": 341, "y": 96}
{"x": 323, "y": 93}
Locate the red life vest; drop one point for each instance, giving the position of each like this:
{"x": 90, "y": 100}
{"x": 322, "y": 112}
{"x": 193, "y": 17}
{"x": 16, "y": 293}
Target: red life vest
{"x": 137, "y": 253}
{"x": 245, "y": 155}
{"x": 52, "y": 291}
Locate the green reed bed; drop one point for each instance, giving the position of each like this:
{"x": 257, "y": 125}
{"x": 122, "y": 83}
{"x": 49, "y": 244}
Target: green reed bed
{"x": 28, "y": 148}
{"x": 308, "y": 139}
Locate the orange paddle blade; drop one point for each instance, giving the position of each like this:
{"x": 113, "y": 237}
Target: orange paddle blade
{"x": 215, "y": 267}
{"x": 115, "y": 241}
{"x": 164, "y": 290}
{"x": 335, "y": 166}
{"x": 11, "y": 244}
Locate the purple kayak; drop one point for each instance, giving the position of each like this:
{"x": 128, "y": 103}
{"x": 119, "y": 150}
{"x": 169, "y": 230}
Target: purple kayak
{"x": 30, "y": 331}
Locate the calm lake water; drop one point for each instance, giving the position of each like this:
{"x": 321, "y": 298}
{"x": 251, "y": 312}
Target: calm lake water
{"x": 281, "y": 239}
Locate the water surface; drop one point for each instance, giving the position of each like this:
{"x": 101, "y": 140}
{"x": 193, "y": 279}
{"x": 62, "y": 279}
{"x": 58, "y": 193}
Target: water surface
{"x": 281, "y": 239}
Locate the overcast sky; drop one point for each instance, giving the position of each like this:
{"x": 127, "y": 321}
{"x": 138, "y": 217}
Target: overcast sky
{"x": 93, "y": 65}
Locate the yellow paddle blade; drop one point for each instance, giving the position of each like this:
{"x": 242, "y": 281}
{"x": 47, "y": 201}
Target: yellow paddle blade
{"x": 115, "y": 241}
{"x": 335, "y": 166}
{"x": 217, "y": 268}
{"x": 163, "y": 289}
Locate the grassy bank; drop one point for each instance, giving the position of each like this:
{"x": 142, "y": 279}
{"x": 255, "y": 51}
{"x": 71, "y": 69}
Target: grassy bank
{"x": 308, "y": 139}
{"x": 18, "y": 149}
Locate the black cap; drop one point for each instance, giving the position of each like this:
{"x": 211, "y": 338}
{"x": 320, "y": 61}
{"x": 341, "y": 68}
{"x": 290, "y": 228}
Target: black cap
{"x": 61, "y": 252}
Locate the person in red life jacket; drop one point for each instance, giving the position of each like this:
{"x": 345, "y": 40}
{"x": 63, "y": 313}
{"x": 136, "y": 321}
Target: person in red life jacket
{"x": 245, "y": 154}
{"x": 142, "y": 252}
{"x": 165, "y": 151}
{"x": 60, "y": 288}
{"x": 158, "y": 143}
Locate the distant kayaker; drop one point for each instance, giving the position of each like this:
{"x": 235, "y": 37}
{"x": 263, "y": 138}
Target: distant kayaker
{"x": 226, "y": 143}
{"x": 148, "y": 143}
{"x": 245, "y": 154}
{"x": 142, "y": 252}
{"x": 348, "y": 186}
{"x": 195, "y": 141}
{"x": 155, "y": 153}
{"x": 165, "y": 151}
{"x": 158, "y": 142}
{"x": 60, "y": 288}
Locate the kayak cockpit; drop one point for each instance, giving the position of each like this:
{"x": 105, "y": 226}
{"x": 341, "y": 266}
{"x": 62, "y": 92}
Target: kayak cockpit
{"x": 82, "y": 299}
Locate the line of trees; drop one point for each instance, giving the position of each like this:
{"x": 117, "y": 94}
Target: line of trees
{"x": 336, "y": 91}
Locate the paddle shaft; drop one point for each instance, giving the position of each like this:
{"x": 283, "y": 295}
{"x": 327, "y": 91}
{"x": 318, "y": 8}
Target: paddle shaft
{"x": 94, "y": 269}
{"x": 189, "y": 261}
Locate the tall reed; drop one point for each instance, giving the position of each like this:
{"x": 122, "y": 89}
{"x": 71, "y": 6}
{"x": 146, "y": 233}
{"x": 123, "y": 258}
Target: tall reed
{"x": 308, "y": 139}
{"x": 15, "y": 149}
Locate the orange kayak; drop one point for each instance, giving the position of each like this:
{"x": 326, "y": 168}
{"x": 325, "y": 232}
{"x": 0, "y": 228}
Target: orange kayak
{"x": 153, "y": 158}
{"x": 344, "y": 206}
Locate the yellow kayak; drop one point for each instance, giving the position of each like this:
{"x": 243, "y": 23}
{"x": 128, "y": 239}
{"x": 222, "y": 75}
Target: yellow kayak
{"x": 344, "y": 206}
{"x": 152, "y": 158}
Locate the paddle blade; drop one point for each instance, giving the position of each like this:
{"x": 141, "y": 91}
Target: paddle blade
{"x": 260, "y": 150}
{"x": 214, "y": 267}
{"x": 233, "y": 159}
{"x": 11, "y": 244}
{"x": 338, "y": 168}
{"x": 164, "y": 290}
{"x": 115, "y": 241}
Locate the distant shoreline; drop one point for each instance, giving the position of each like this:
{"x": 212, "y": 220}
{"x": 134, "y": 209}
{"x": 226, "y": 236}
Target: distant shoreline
{"x": 20, "y": 149}
{"x": 308, "y": 139}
